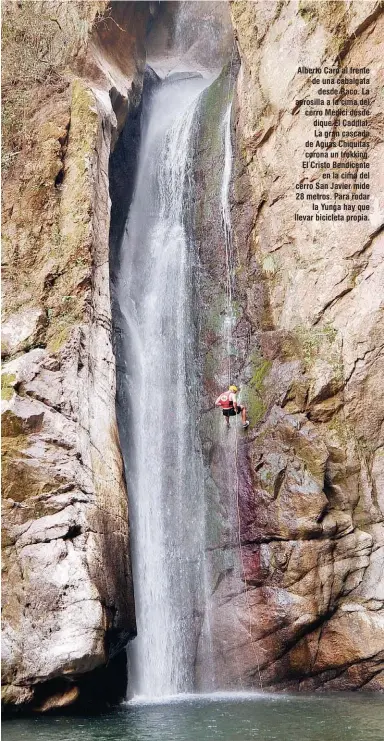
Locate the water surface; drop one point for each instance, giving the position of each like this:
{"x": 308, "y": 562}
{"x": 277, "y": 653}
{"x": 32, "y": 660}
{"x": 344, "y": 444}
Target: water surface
{"x": 354, "y": 717}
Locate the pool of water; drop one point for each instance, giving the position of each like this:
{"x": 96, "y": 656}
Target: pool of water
{"x": 355, "y": 717}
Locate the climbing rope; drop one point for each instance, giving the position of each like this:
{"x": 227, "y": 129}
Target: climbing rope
{"x": 231, "y": 339}
{"x": 242, "y": 560}
{"x": 227, "y": 230}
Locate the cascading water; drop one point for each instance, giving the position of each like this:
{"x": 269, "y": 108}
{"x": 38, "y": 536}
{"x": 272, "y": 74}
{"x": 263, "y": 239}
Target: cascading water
{"x": 157, "y": 334}
{"x": 155, "y": 294}
{"x": 229, "y": 319}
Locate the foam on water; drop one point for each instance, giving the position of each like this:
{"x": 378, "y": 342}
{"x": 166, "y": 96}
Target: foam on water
{"x": 138, "y": 700}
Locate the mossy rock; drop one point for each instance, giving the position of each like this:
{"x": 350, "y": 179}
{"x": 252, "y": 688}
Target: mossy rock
{"x": 7, "y": 382}
{"x": 71, "y": 246}
{"x": 20, "y": 479}
{"x": 14, "y": 483}
{"x": 308, "y": 11}
{"x": 214, "y": 315}
{"x": 58, "y": 339}
{"x": 255, "y": 391}
{"x": 209, "y": 147}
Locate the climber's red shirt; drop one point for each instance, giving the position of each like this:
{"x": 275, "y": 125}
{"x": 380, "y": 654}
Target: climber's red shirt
{"x": 226, "y": 400}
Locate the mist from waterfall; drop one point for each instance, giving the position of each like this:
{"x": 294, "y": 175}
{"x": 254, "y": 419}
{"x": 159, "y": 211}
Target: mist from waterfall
{"x": 165, "y": 476}
{"x": 159, "y": 382}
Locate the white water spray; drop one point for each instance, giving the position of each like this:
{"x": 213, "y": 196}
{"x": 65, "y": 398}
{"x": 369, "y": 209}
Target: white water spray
{"x": 165, "y": 470}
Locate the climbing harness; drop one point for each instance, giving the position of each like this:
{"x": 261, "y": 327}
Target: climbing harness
{"x": 225, "y": 402}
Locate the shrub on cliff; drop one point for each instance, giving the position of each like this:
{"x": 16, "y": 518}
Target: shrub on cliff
{"x": 39, "y": 40}
{"x": 28, "y": 59}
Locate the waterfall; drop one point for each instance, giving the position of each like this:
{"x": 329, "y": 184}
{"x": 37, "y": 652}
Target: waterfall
{"x": 164, "y": 468}
{"x": 227, "y": 172}
{"x": 226, "y": 218}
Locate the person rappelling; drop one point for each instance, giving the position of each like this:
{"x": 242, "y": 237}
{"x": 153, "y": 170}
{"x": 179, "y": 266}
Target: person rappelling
{"x": 228, "y": 403}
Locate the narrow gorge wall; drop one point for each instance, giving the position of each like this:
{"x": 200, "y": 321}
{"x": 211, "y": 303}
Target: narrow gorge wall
{"x": 308, "y": 349}
{"x": 67, "y": 590}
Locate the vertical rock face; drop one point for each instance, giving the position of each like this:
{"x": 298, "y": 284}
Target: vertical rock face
{"x": 67, "y": 588}
{"x": 307, "y": 348}
{"x": 309, "y": 353}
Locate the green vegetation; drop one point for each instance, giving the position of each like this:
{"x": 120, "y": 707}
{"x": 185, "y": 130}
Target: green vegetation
{"x": 38, "y": 42}
{"x": 308, "y": 11}
{"x": 7, "y": 381}
{"x": 60, "y": 336}
{"x": 255, "y": 391}
{"x": 66, "y": 302}
{"x": 214, "y": 102}
{"x": 22, "y": 481}
{"x": 12, "y": 448}
{"x": 29, "y": 59}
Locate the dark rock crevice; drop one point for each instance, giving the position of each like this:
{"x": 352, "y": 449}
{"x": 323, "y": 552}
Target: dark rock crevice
{"x": 122, "y": 170}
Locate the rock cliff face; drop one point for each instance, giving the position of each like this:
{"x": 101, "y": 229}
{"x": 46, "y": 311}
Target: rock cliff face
{"x": 308, "y": 349}
{"x": 67, "y": 588}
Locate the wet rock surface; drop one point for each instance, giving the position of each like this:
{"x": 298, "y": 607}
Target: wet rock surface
{"x": 300, "y": 605}
{"x": 304, "y": 607}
